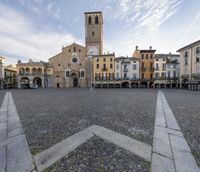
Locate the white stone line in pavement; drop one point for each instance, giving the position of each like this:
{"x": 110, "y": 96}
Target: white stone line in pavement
{"x": 134, "y": 146}
{"x": 13, "y": 143}
{"x": 170, "y": 150}
{"x": 48, "y": 157}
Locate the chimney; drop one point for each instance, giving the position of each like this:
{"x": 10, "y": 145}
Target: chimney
{"x": 150, "y": 47}
{"x": 136, "y": 48}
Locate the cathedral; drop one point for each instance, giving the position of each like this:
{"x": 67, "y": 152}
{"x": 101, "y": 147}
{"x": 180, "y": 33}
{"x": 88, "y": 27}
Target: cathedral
{"x": 73, "y": 66}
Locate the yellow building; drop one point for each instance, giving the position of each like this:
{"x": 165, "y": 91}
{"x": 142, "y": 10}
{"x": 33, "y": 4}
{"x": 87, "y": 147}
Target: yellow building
{"x": 104, "y": 68}
{"x": 146, "y": 58}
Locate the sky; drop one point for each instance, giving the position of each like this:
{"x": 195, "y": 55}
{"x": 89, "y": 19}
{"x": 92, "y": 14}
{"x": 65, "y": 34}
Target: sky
{"x": 37, "y": 29}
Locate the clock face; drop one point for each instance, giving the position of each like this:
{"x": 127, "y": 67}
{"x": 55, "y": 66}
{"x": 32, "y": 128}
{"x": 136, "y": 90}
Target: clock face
{"x": 93, "y": 50}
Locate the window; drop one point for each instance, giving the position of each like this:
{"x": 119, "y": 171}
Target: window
{"x": 157, "y": 68}
{"x": 104, "y": 66}
{"x": 151, "y": 65}
{"x": 90, "y": 20}
{"x": 92, "y": 33}
{"x": 59, "y": 64}
{"x": 151, "y": 56}
{"x": 117, "y": 66}
{"x": 79, "y": 50}
{"x": 168, "y": 74}
{"x": 142, "y": 75}
{"x": 134, "y": 75}
{"x": 157, "y": 75}
{"x": 57, "y": 76}
{"x": 198, "y": 50}
{"x": 142, "y": 65}
{"x": 197, "y": 59}
{"x": 186, "y": 54}
{"x": 117, "y": 75}
{"x": 186, "y": 61}
{"x": 174, "y": 74}
{"x": 104, "y": 59}
{"x": 151, "y": 75}
{"x": 142, "y": 56}
{"x": 74, "y": 60}
{"x": 147, "y": 56}
{"x": 163, "y": 59}
{"x": 163, "y": 75}
{"x": 96, "y": 20}
{"x": 157, "y": 59}
{"x": 111, "y": 66}
{"x": 74, "y": 49}
{"x": 111, "y": 59}
{"x": 82, "y": 74}
{"x": 69, "y": 50}
{"x": 97, "y": 66}
{"x": 97, "y": 59}
{"x": 67, "y": 74}
{"x": 163, "y": 66}
{"x": 134, "y": 67}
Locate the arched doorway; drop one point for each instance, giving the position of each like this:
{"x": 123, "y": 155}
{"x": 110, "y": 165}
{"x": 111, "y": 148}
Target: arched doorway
{"x": 74, "y": 78}
{"x": 37, "y": 82}
{"x": 25, "y": 82}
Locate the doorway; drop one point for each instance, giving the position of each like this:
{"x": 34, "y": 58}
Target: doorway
{"x": 75, "y": 82}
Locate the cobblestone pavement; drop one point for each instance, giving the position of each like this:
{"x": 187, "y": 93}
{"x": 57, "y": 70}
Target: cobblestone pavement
{"x": 186, "y": 108}
{"x": 98, "y": 155}
{"x": 50, "y": 115}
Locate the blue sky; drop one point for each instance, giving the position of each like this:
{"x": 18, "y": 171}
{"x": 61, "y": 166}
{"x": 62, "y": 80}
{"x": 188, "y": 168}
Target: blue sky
{"x": 38, "y": 29}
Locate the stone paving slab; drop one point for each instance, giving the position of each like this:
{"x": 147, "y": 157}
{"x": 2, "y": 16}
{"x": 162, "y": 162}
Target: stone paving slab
{"x": 162, "y": 164}
{"x": 2, "y": 159}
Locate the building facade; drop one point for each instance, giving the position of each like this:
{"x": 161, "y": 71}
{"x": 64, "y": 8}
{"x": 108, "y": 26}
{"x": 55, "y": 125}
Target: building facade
{"x": 104, "y": 70}
{"x": 34, "y": 75}
{"x": 127, "y": 71}
{"x": 190, "y": 66}
{"x": 69, "y": 67}
{"x": 146, "y": 59}
{"x": 10, "y": 77}
{"x": 166, "y": 70}
{"x": 1, "y": 71}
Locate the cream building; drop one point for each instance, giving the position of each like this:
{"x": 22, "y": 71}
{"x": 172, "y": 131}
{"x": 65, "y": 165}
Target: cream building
{"x": 166, "y": 70}
{"x": 34, "y": 74}
{"x": 1, "y": 71}
{"x": 127, "y": 71}
{"x": 190, "y": 66}
{"x": 69, "y": 67}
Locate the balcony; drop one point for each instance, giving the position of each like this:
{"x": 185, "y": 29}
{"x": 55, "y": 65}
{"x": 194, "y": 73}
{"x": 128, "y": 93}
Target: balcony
{"x": 186, "y": 76}
{"x": 143, "y": 69}
{"x": 125, "y": 70}
{"x": 104, "y": 69}
{"x": 125, "y": 78}
{"x": 151, "y": 69}
{"x": 196, "y": 75}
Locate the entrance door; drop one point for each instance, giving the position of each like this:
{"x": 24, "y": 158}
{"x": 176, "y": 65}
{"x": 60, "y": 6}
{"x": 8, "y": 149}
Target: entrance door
{"x": 75, "y": 82}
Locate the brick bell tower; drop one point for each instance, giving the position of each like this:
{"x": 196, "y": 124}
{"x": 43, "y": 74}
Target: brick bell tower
{"x": 93, "y": 33}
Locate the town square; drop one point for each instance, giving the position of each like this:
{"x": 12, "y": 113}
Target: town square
{"x": 71, "y": 100}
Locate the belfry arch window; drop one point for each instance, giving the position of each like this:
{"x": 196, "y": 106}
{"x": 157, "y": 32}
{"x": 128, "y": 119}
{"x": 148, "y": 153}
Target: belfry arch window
{"x": 96, "y": 20}
{"x": 90, "y": 20}
{"x": 74, "y": 49}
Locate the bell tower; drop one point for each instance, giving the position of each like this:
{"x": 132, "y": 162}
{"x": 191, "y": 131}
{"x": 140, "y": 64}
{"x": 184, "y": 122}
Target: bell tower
{"x": 93, "y": 33}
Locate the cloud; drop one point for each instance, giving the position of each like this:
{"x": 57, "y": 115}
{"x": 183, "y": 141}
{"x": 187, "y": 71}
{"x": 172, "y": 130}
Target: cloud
{"x": 20, "y": 38}
{"x": 54, "y": 11}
